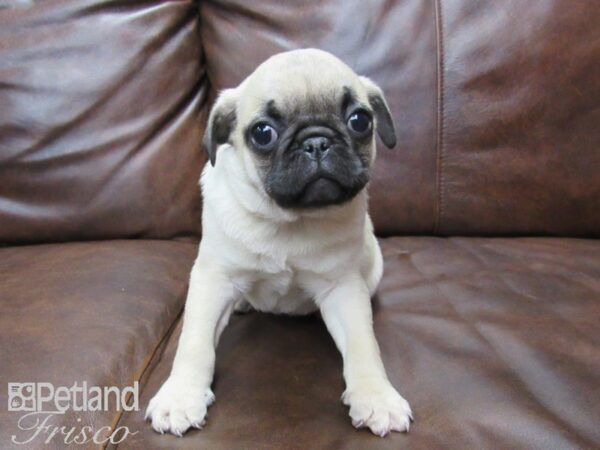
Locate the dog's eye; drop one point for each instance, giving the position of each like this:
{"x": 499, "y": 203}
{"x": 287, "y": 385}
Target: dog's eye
{"x": 359, "y": 122}
{"x": 264, "y": 135}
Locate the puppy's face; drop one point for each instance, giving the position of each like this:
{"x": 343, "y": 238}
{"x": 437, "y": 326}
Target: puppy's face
{"x": 305, "y": 123}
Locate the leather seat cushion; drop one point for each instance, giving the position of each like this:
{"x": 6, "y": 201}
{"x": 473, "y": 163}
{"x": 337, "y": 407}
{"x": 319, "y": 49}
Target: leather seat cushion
{"x": 493, "y": 341}
{"x": 92, "y": 312}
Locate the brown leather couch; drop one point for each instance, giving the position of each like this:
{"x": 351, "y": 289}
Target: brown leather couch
{"x": 488, "y": 315}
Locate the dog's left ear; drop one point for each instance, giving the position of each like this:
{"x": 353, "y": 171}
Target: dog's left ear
{"x": 383, "y": 118}
{"x": 221, "y": 123}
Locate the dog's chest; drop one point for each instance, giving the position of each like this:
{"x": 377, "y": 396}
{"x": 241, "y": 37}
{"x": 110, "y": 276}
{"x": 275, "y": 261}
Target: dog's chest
{"x": 275, "y": 287}
{"x": 279, "y": 296}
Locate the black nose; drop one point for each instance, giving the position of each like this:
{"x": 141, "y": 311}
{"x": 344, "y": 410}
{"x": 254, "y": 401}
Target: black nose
{"x": 316, "y": 147}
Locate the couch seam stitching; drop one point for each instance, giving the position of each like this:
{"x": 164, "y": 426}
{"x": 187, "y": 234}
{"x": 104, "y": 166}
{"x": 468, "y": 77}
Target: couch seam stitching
{"x": 441, "y": 123}
{"x": 145, "y": 367}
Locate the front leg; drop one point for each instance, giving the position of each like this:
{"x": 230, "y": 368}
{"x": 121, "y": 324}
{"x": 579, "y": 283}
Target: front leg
{"x": 373, "y": 401}
{"x": 183, "y": 399}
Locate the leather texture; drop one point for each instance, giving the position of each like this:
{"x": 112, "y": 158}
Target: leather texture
{"x": 496, "y": 128}
{"x": 92, "y": 312}
{"x": 101, "y": 120}
{"x": 495, "y": 103}
{"x": 493, "y": 341}
{"x": 520, "y": 102}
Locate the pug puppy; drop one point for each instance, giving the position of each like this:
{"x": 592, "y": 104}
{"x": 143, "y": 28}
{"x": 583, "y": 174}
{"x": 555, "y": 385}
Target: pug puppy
{"x": 286, "y": 229}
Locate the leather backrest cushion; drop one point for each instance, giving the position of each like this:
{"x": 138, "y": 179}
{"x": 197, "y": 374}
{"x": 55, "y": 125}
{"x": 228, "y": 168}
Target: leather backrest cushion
{"x": 496, "y": 103}
{"x": 521, "y": 121}
{"x": 101, "y": 120}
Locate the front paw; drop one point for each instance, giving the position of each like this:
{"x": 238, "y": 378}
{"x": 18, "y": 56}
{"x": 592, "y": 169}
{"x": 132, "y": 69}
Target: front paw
{"x": 179, "y": 405}
{"x": 379, "y": 407}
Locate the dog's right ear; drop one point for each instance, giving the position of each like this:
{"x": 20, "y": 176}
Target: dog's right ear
{"x": 221, "y": 123}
